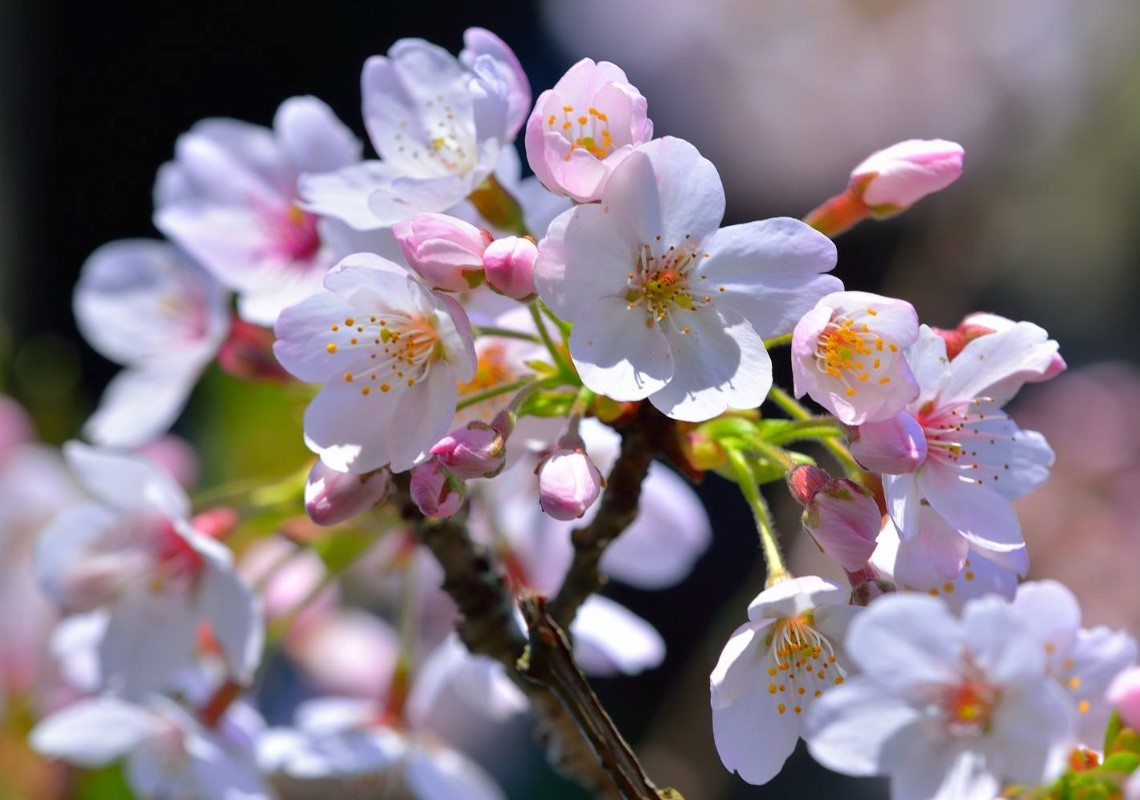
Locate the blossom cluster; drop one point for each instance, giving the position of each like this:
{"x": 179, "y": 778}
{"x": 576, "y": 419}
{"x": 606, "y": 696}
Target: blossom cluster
{"x": 482, "y": 350}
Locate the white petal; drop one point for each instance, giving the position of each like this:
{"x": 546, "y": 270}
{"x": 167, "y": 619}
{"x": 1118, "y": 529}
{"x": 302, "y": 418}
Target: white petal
{"x": 235, "y": 618}
{"x": 346, "y": 430}
{"x": 303, "y": 335}
{"x": 421, "y": 417}
{"x": 906, "y": 640}
{"x": 740, "y": 664}
{"x": 999, "y": 643}
{"x": 312, "y": 136}
{"x": 990, "y": 359}
{"x": 126, "y": 481}
{"x": 860, "y": 729}
{"x": 139, "y": 405}
{"x": 752, "y": 738}
{"x": 1049, "y": 612}
{"x": 617, "y": 355}
{"x": 770, "y": 271}
{"x": 609, "y": 639}
{"x": 974, "y": 510}
{"x": 903, "y": 503}
{"x": 720, "y": 363}
{"x": 148, "y": 638}
{"x": 1035, "y": 725}
{"x": 403, "y": 197}
{"x": 222, "y": 774}
{"x": 94, "y": 732}
{"x": 344, "y": 194}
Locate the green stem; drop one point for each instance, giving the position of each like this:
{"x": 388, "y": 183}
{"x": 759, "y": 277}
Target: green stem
{"x": 837, "y": 449}
{"x": 555, "y": 350}
{"x": 579, "y": 408}
{"x": 773, "y": 453}
{"x": 777, "y": 341}
{"x": 506, "y": 333}
{"x": 798, "y": 430}
{"x": 495, "y": 391}
{"x": 768, "y": 542}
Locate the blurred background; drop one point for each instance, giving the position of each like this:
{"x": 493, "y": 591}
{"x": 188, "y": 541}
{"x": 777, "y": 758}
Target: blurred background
{"x": 784, "y": 98}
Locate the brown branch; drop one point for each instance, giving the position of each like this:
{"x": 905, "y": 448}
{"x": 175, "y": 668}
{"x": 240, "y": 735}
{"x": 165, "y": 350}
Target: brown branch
{"x": 550, "y": 663}
{"x": 641, "y": 438}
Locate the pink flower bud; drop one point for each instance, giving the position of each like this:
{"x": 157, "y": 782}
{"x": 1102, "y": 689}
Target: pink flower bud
{"x": 446, "y": 251}
{"x": 844, "y": 520}
{"x": 895, "y": 178}
{"x": 509, "y": 265}
{"x": 568, "y": 481}
{"x": 332, "y": 497}
{"x": 435, "y": 490}
{"x": 1124, "y": 694}
{"x": 805, "y": 481}
{"x": 892, "y": 447}
{"x": 477, "y": 451}
{"x": 217, "y": 523}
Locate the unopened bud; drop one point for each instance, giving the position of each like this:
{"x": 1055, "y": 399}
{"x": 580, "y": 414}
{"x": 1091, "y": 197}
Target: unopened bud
{"x": 1124, "y": 694}
{"x": 892, "y": 447}
{"x": 476, "y": 451}
{"x": 332, "y": 497}
{"x": 509, "y": 265}
{"x": 805, "y": 481}
{"x": 843, "y": 518}
{"x": 435, "y": 490}
{"x": 446, "y": 251}
{"x": 895, "y": 178}
{"x": 568, "y": 481}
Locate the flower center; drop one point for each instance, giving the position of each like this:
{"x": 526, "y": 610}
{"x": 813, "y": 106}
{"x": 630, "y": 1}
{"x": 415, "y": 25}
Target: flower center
{"x": 661, "y": 280}
{"x": 968, "y": 707}
{"x": 802, "y": 663}
{"x": 589, "y": 131}
{"x": 400, "y": 349}
{"x": 973, "y": 436}
{"x": 852, "y": 353}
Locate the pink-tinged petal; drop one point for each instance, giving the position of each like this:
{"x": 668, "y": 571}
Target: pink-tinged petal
{"x": 999, "y": 643}
{"x": 671, "y": 531}
{"x": 669, "y": 190}
{"x": 740, "y": 664}
{"x": 587, "y": 253}
{"x": 125, "y": 481}
{"x": 905, "y": 640}
{"x": 95, "y": 732}
{"x": 233, "y": 242}
{"x": 439, "y": 773}
{"x": 979, "y": 577}
{"x": 1098, "y": 656}
{"x": 903, "y": 503}
{"x": 1030, "y": 459}
{"x": 262, "y": 304}
{"x": 235, "y": 617}
{"x": 934, "y": 556}
{"x": 1024, "y": 349}
{"x": 481, "y": 42}
{"x": 770, "y": 271}
{"x": 312, "y": 136}
{"x": 931, "y": 367}
{"x": 978, "y": 513}
{"x": 148, "y": 638}
{"x": 140, "y": 301}
{"x": 1036, "y": 727}
{"x": 405, "y": 196}
{"x": 344, "y": 652}
{"x": 344, "y": 194}
{"x": 422, "y": 416}
{"x": 617, "y": 355}
{"x": 1050, "y": 612}
{"x": 720, "y": 363}
{"x": 609, "y": 639}
{"x": 860, "y": 729}
{"x": 894, "y": 446}
{"x": 139, "y": 405}
{"x": 303, "y": 336}
{"x": 894, "y": 178}
{"x": 333, "y": 429}
{"x": 230, "y": 162}
{"x": 752, "y": 738}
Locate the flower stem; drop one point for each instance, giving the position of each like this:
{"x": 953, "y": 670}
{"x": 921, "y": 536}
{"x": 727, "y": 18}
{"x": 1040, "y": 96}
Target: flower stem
{"x": 838, "y": 451}
{"x": 495, "y": 391}
{"x": 840, "y": 213}
{"x": 555, "y": 350}
{"x": 777, "y": 341}
{"x": 768, "y": 542}
{"x": 506, "y": 333}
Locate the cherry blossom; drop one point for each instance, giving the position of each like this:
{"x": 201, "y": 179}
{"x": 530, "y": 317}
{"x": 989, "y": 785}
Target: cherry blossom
{"x": 667, "y": 307}
{"x": 848, "y": 354}
{"x": 144, "y": 305}
{"x": 230, "y": 199}
{"x": 439, "y": 125}
{"x": 773, "y": 669}
{"x": 946, "y": 707}
{"x": 584, "y": 127}
{"x": 134, "y": 556}
{"x": 389, "y": 352}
